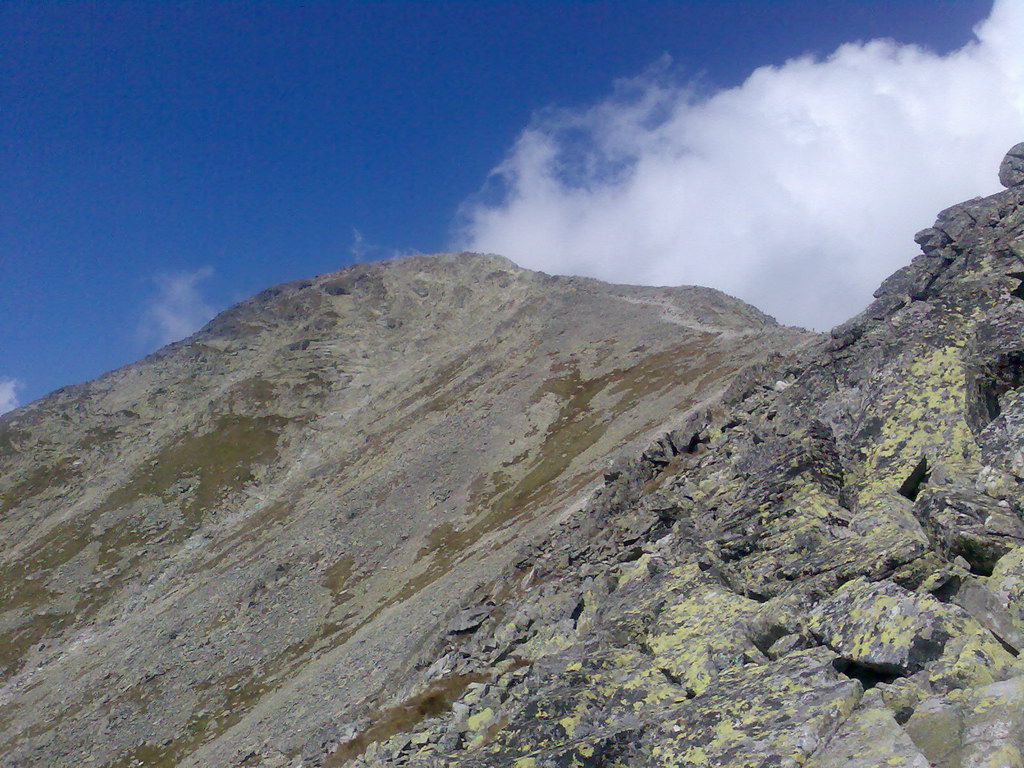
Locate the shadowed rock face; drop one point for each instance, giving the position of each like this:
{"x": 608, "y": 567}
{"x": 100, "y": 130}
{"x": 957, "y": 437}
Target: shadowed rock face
{"x": 248, "y": 543}
{"x": 370, "y": 520}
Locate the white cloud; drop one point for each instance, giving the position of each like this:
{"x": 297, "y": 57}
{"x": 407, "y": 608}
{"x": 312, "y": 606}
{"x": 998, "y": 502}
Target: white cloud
{"x": 359, "y": 249}
{"x": 362, "y": 250}
{"x": 178, "y": 309}
{"x": 799, "y": 190}
{"x": 9, "y": 394}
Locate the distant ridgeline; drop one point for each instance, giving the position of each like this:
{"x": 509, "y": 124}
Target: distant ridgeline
{"x": 444, "y": 511}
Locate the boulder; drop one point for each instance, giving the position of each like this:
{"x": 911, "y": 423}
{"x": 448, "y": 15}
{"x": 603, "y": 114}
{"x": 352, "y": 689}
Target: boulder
{"x": 469, "y": 619}
{"x": 964, "y": 523}
{"x": 870, "y": 738}
{"x": 983, "y": 729}
{"x": 932, "y": 240}
{"x": 990, "y": 610}
{"x": 885, "y": 628}
{"x": 1011, "y": 171}
{"x": 773, "y": 714}
{"x": 1007, "y": 582}
{"x": 971, "y": 660}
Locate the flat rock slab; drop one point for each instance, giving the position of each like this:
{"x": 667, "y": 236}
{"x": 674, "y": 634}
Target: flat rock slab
{"x": 983, "y": 729}
{"x": 774, "y": 714}
{"x": 885, "y": 627}
{"x": 870, "y": 738}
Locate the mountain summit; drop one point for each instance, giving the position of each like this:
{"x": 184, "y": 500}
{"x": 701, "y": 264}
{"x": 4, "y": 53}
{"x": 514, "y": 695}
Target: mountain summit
{"x": 444, "y": 511}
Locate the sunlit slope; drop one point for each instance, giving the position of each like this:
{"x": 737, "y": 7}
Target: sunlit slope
{"x": 249, "y": 535}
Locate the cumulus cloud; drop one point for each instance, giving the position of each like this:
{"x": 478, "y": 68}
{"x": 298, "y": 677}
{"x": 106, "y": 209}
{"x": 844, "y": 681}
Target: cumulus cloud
{"x": 799, "y": 190}
{"x": 178, "y": 309}
{"x": 9, "y": 394}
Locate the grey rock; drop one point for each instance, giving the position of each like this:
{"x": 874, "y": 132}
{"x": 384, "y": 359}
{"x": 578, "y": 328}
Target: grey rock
{"x": 1011, "y": 170}
{"x": 743, "y": 704}
{"x": 869, "y": 738}
{"x": 1007, "y": 582}
{"x": 932, "y": 240}
{"x": 217, "y": 554}
{"x": 786, "y": 644}
{"x": 884, "y": 627}
{"x": 965, "y": 523}
{"x": 982, "y": 730}
{"x": 990, "y": 610}
{"x": 469, "y": 620}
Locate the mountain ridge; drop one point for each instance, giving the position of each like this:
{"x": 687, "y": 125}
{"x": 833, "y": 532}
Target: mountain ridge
{"x": 294, "y": 410}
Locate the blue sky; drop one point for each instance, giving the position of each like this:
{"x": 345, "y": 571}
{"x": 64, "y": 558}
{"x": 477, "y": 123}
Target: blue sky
{"x": 160, "y": 161}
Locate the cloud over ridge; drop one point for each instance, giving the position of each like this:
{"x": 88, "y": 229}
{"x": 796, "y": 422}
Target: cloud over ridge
{"x": 8, "y": 394}
{"x": 798, "y": 191}
{"x": 179, "y": 308}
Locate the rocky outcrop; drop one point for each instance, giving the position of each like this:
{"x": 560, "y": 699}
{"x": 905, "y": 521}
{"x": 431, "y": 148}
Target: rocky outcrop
{"x": 820, "y": 568}
{"x": 815, "y": 560}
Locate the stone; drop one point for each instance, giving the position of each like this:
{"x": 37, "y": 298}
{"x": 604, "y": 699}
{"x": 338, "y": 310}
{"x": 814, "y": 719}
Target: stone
{"x": 884, "y": 627}
{"x": 777, "y": 714}
{"x": 969, "y": 524}
{"x": 982, "y": 729}
{"x": 469, "y": 620}
{"x": 1011, "y": 170}
{"x": 932, "y": 240}
{"x": 903, "y": 695}
{"x": 990, "y": 609}
{"x": 971, "y": 659}
{"x": 935, "y": 729}
{"x": 696, "y": 638}
{"x": 1007, "y": 582}
{"x": 786, "y": 644}
{"x": 869, "y": 738}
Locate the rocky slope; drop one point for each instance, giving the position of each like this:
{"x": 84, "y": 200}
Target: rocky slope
{"x": 244, "y": 549}
{"x": 822, "y": 568}
{"x": 369, "y": 520}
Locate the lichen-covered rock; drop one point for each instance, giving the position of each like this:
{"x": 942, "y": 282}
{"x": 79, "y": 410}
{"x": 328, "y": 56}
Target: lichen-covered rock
{"x": 982, "y": 728}
{"x": 971, "y": 525}
{"x": 703, "y": 634}
{"x": 990, "y": 609}
{"x": 1002, "y": 439}
{"x": 884, "y": 627}
{"x": 903, "y": 695}
{"x": 935, "y": 729}
{"x": 869, "y": 738}
{"x": 776, "y": 714}
{"x": 1011, "y": 170}
{"x": 1007, "y": 582}
{"x": 971, "y": 659}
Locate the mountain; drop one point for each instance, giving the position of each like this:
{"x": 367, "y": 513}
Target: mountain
{"x": 255, "y": 533}
{"x": 447, "y": 512}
